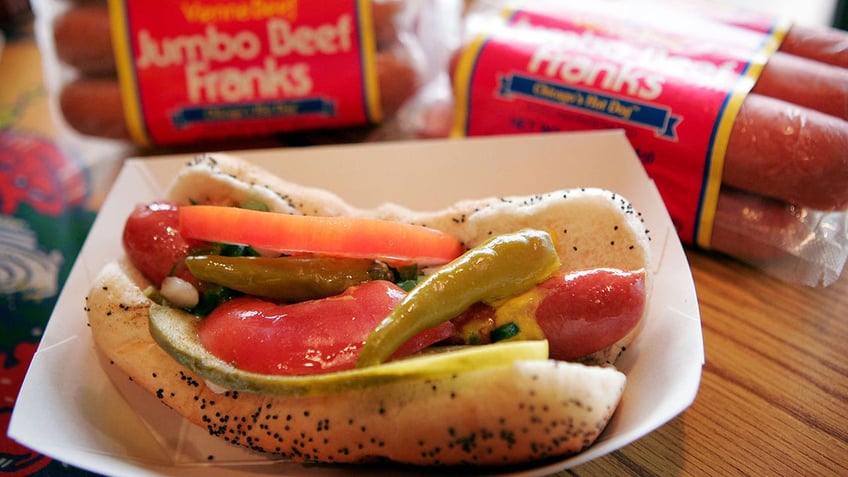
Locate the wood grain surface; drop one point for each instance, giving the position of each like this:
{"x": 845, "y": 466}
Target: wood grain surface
{"x": 774, "y": 393}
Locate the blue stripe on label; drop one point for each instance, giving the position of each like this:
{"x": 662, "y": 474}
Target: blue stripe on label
{"x": 258, "y": 110}
{"x": 637, "y": 113}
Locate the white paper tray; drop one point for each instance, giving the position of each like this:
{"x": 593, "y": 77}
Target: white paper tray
{"x": 69, "y": 409}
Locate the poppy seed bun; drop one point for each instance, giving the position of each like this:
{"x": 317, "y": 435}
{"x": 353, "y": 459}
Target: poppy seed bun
{"x": 511, "y": 414}
{"x": 517, "y": 413}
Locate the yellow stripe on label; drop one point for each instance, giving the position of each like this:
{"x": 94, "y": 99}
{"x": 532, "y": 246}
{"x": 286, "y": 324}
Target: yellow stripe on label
{"x": 462, "y": 85}
{"x": 368, "y": 44}
{"x": 462, "y": 78}
{"x": 712, "y": 185}
{"x": 126, "y": 72}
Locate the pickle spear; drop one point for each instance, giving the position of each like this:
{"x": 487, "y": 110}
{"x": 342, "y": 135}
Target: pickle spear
{"x": 502, "y": 266}
{"x": 291, "y": 278}
{"x": 176, "y": 332}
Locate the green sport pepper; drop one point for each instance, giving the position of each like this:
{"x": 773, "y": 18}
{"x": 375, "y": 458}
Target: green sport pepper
{"x": 289, "y": 279}
{"x": 502, "y": 266}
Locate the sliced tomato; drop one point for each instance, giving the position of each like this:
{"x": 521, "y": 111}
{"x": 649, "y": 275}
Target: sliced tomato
{"x": 341, "y": 236}
{"x": 310, "y": 337}
{"x": 587, "y": 311}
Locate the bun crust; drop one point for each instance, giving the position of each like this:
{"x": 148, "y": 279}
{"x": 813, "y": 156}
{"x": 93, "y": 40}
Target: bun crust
{"x": 593, "y": 227}
{"x": 504, "y": 415}
{"x": 528, "y": 411}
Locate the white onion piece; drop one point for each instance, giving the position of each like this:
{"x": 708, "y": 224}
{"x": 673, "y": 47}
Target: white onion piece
{"x": 179, "y": 292}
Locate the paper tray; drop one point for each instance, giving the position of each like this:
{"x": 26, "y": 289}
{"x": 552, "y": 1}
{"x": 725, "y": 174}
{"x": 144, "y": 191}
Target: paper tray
{"x": 69, "y": 409}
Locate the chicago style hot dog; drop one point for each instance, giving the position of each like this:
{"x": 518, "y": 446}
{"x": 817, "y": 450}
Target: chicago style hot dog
{"x": 564, "y": 267}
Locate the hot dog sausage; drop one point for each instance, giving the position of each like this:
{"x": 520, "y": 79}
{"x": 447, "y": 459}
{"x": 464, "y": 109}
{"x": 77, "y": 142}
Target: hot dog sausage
{"x": 398, "y": 78}
{"x": 385, "y": 16}
{"x": 83, "y": 39}
{"x": 92, "y": 106}
{"x": 805, "y": 82}
{"x": 789, "y": 152}
{"x": 83, "y": 36}
{"x": 755, "y": 228}
{"x": 827, "y": 45}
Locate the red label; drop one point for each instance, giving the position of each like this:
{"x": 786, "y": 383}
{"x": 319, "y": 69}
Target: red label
{"x": 571, "y": 67}
{"x": 194, "y": 69}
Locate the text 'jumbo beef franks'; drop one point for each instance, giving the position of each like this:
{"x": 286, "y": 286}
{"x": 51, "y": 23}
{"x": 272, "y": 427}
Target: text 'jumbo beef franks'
{"x": 504, "y": 315}
{"x": 229, "y": 73}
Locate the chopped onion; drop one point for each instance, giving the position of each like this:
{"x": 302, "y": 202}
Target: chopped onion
{"x": 179, "y": 292}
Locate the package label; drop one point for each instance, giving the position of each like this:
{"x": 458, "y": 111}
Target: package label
{"x": 674, "y": 85}
{"x": 193, "y": 70}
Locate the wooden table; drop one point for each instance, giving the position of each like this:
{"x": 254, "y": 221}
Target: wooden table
{"x": 774, "y": 392}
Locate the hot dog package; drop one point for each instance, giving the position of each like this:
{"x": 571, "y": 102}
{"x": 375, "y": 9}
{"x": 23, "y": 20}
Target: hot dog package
{"x": 707, "y": 99}
{"x": 183, "y": 73}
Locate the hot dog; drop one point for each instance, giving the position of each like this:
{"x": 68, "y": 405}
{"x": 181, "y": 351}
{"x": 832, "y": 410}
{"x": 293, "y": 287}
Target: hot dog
{"x": 788, "y": 152}
{"x": 816, "y": 42}
{"x": 825, "y": 87}
{"x": 755, "y": 228}
{"x": 93, "y": 106}
{"x": 827, "y": 45}
{"x": 488, "y": 415}
{"x": 83, "y": 39}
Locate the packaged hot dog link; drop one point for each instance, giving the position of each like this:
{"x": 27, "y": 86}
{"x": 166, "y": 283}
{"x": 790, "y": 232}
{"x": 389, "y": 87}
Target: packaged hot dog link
{"x": 817, "y": 42}
{"x": 797, "y": 244}
{"x": 703, "y": 101}
{"x": 568, "y": 66}
{"x": 190, "y": 72}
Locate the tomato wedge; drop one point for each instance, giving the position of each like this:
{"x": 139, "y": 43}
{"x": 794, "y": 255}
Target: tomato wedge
{"x": 340, "y": 236}
{"x": 310, "y": 337}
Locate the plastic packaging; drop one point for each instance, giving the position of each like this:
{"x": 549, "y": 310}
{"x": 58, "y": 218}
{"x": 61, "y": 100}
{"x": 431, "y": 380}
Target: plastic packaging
{"x": 797, "y": 244}
{"x": 206, "y": 73}
{"x": 765, "y": 182}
